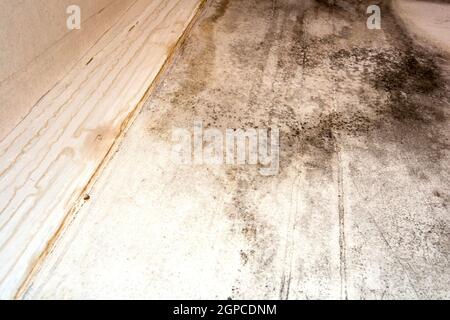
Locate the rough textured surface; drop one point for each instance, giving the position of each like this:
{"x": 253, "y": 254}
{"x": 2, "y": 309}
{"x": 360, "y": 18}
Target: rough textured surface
{"x": 427, "y": 20}
{"x": 360, "y": 208}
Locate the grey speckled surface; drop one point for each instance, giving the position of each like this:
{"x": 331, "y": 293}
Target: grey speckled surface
{"x": 359, "y": 210}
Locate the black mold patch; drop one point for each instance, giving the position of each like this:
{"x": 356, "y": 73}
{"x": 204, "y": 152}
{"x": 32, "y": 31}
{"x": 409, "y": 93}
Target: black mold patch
{"x": 403, "y": 76}
{"x": 393, "y": 92}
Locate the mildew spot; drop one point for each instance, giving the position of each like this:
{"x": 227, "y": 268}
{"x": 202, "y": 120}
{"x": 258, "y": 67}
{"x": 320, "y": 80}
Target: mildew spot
{"x": 235, "y": 74}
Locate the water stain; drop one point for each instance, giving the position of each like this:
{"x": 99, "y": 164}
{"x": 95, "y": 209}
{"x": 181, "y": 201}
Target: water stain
{"x": 252, "y": 67}
{"x": 201, "y": 65}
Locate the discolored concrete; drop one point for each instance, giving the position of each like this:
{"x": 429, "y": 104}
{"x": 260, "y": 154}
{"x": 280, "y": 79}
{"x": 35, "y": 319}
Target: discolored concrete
{"x": 359, "y": 209}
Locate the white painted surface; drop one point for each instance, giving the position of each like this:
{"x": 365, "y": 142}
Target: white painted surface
{"x": 428, "y": 20}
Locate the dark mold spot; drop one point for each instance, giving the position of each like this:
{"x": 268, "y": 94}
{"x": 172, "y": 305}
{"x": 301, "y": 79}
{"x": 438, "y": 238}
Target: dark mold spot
{"x": 220, "y": 9}
{"x": 392, "y": 93}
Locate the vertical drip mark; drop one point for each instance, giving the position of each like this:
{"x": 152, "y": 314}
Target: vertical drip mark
{"x": 342, "y": 245}
{"x": 290, "y": 244}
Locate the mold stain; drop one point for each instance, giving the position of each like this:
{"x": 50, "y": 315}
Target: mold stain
{"x": 399, "y": 91}
{"x": 200, "y": 66}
